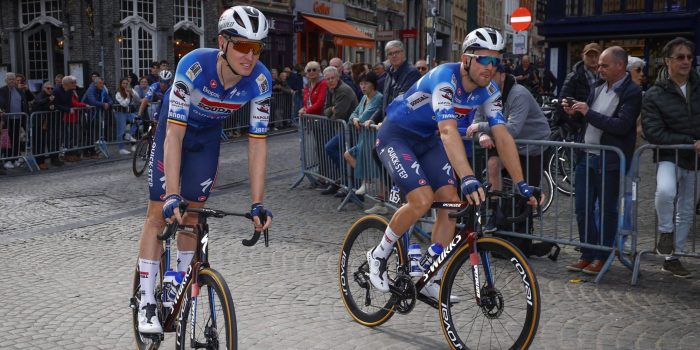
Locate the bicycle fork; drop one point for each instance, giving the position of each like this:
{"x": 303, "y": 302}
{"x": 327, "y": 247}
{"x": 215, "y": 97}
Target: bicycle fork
{"x": 476, "y": 259}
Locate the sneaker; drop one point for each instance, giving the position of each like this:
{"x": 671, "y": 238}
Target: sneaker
{"x": 432, "y": 290}
{"x": 490, "y": 224}
{"x": 148, "y": 320}
{"x": 674, "y": 266}
{"x": 43, "y": 166}
{"x": 133, "y": 148}
{"x": 124, "y": 151}
{"x": 378, "y": 208}
{"x": 128, "y": 137}
{"x": 19, "y": 162}
{"x": 360, "y": 191}
{"x": 665, "y": 244}
{"x": 9, "y": 165}
{"x": 377, "y": 272}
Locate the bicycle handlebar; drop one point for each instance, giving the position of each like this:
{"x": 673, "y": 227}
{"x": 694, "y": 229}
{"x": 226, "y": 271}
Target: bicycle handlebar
{"x": 465, "y": 207}
{"x": 171, "y": 228}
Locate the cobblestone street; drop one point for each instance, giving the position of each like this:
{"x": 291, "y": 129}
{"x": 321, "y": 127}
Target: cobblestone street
{"x": 69, "y": 242}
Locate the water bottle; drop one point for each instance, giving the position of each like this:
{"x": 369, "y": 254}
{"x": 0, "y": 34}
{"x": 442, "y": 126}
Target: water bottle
{"x": 414, "y": 254}
{"x": 171, "y": 282}
{"x": 430, "y": 255}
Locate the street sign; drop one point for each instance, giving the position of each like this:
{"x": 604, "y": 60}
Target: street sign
{"x": 409, "y": 33}
{"x": 520, "y": 19}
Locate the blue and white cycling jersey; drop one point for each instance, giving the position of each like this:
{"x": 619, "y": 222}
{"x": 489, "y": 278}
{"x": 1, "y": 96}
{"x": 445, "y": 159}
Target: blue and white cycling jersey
{"x": 197, "y": 98}
{"x": 198, "y": 101}
{"x": 439, "y": 95}
{"x": 155, "y": 93}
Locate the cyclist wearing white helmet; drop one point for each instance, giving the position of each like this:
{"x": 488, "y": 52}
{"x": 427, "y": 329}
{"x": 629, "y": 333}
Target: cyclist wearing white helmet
{"x": 410, "y": 144}
{"x": 209, "y": 84}
{"x": 155, "y": 92}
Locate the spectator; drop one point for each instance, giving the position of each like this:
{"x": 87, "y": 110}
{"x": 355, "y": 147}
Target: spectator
{"x": 47, "y": 127}
{"x": 314, "y": 92}
{"x": 98, "y": 97}
{"x": 296, "y": 83}
{"x": 422, "y": 67}
{"x": 66, "y": 100}
{"x": 671, "y": 115}
{"x": 579, "y": 81}
{"x": 124, "y": 111}
{"x": 57, "y": 80}
{"x": 274, "y": 73}
{"x": 400, "y": 77}
{"x": 526, "y": 74}
{"x": 380, "y": 72}
{"x": 133, "y": 80}
{"x": 609, "y": 117}
{"x": 345, "y": 75}
{"x": 339, "y": 104}
{"x": 283, "y": 98}
{"x": 14, "y": 100}
{"x": 142, "y": 88}
{"x": 359, "y": 156}
{"x": 635, "y": 66}
{"x": 153, "y": 73}
{"x": 525, "y": 121}
{"x": 163, "y": 65}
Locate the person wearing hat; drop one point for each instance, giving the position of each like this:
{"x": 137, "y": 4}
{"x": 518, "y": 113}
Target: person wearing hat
{"x": 584, "y": 74}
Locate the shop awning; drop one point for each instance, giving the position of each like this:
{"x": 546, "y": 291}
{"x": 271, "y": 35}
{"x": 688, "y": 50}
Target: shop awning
{"x": 345, "y": 34}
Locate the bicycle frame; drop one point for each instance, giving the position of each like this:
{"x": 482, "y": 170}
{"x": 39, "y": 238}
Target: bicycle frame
{"x": 464, "y": 235}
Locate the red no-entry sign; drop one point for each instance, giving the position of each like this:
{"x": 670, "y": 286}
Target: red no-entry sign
{"x": 520, "y": 19}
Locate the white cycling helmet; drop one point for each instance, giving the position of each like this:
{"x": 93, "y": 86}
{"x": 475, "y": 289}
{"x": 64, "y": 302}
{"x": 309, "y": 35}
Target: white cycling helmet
{"x": 165, "y": 75}
{"x": 243, "y": 21}
{"x": 483, "y": 38}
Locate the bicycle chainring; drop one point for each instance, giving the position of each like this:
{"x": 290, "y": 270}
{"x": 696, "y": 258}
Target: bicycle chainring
{"x": 405, "y": 299}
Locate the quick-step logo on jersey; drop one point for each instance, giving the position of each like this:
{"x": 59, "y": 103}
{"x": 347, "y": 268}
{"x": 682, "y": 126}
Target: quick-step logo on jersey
{"x": 397, "y": 166}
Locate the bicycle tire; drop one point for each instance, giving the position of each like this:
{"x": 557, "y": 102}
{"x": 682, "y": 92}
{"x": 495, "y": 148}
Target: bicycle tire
{"x": 519, "y": 288}
{"x": 560, "y": 169}
{"x": 141, "y": 156}
{"x": 210, "y": 281}
{"x": 362, "y": 236}
{"x": 144, "y": 343}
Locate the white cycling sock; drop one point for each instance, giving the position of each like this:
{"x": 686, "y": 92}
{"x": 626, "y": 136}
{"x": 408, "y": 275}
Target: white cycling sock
{"x": 383, "y": 250}
{"x": 148, "y": 270}
{"x": 183, "y": 260}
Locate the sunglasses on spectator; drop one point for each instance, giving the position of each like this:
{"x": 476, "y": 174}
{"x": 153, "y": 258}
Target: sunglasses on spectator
{"x": 683, "y": 57}
{"x": 309, "y": 70}
{"x": 247, "y": 46}
{"x": 422, "y": 68}
{"x": 48, "y": 88}
{"x": 485, "y": 60}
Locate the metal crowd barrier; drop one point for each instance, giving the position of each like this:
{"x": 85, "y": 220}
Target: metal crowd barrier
{"x": 641, "y": 197}
{"x": 281, "y": 114}
{"x": 15, "y": 125}
{"x": 557, "y": 225}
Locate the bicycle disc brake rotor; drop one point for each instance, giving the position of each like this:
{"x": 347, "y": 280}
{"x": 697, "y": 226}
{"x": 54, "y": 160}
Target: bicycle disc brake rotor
{"x": 491, "y": 302}
{"x": 405, "y": 300}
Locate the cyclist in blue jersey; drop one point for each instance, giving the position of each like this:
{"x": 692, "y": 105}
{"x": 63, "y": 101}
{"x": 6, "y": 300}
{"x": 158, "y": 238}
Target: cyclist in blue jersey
{"x": 408, "y": 144}
{"x": 156, "y": 92}
{"x": 209, "y": 85}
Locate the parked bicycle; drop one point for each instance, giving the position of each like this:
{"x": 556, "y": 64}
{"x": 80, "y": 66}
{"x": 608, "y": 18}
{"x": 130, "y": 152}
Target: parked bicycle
{"x": 142, "y": 153}
{"x": 499, "y": 293}
{"x": 202, "y": 299}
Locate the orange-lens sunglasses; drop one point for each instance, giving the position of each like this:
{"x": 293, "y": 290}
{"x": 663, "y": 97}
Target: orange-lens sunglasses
{"x": 247, "y": 46}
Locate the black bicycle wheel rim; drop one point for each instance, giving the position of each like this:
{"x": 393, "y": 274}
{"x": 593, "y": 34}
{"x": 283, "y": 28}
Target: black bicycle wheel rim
{"x": 516, "y": 326}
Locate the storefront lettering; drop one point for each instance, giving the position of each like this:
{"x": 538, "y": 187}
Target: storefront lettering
{"x": 322, "y": 8}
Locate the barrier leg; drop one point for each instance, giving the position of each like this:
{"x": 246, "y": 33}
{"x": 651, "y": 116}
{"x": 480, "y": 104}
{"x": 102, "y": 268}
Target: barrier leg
{"x": 606, "y": 266}
{"x": 351, "y": 196}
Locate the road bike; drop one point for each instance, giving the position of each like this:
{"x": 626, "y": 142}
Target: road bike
{"x": 142, "y": 152}
{"x": 202, "y": 300}
{"x": 498, "y": 289}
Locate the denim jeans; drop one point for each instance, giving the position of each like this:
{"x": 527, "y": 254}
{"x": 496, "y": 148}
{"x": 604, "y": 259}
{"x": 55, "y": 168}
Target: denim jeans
{"x": 121, "y": 118}
{"x": 332, "y": 148}
{"x": 667, "y": 176}
{"x": 593, "y": 186}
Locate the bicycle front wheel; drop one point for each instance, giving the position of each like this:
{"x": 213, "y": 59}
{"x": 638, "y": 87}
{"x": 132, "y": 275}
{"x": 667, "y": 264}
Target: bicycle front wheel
{"x": 364, "y": 303}
{"x": 208, "y": 321}
{"x": 141, "y": 156}
{"x": 510, "y": 308}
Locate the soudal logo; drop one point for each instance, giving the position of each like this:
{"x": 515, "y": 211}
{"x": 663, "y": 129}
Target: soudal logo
{"x": 213, "y": 84}
{"x": 418, "y": 100}
{"x": 220, "y": 107}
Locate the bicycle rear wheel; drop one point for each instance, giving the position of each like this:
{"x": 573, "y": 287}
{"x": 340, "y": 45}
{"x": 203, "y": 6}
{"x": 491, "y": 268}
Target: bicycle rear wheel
{"x": 365, "y": 304}
{"x": 510, "y": 311}
{"x": 143, "y": 342}
{"x": 141, "y": 156}
{"x": 211, "y": 316}
{"x": 560, "y": 169}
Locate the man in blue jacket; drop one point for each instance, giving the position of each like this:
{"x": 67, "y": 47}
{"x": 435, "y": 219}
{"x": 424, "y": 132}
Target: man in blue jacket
{"x": 609, "y": 118}
{"x": 98, "y": 97}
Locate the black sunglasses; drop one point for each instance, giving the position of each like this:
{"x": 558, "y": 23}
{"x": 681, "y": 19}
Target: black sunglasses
{"x": 309, "y": 70}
